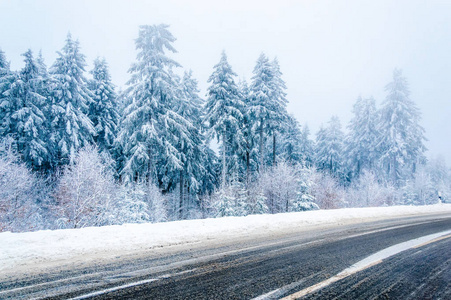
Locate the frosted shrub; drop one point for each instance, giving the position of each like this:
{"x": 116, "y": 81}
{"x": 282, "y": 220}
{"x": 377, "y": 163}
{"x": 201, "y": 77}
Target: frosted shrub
{"x": 327, "y": 191}
{"x": 18, "y": 193}
{"x": 85, "y": 193}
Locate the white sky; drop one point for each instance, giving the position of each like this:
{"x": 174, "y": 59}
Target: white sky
{"x": 330, "y": 51}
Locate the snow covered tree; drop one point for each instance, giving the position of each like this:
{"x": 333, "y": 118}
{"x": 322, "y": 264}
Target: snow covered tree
{"x": 440, "y": 176}
{"x": 152, "y": 132}
{"x": 85, "y": 194}
{"x": 362, "y": 138}
{"x": 28, "y": 122}
{"x": 19, "y": 189}
{"x": 8, "y": 100}
{"x": 70, "y": 127}
{"x": 291, "y": 141}
{"x": 224, "y": 111}
{"x": 189, "y": 106}
{"x": 366, "y": 191}
{"x": 307, "y": 147}
{"x": 268, "y": 104}
{"x": 304, "y": 200}
{"x": 103, "y": 109}
{"x": 420, "y": 190}
{"x": 131, "y": 206}
{"x": 327, "y": 191}
{"x": 329, "y": 148}
{"x": 401, "y": 136}
{"x": 248, "y": 154}
{"x": 279, "y": 104}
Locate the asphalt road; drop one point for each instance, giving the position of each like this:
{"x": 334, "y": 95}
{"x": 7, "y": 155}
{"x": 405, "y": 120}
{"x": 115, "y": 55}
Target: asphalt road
{"x": 273, "y": 267}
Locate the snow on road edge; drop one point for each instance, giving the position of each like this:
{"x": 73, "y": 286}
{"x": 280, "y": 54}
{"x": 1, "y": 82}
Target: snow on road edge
{"x": 22, "y": 249}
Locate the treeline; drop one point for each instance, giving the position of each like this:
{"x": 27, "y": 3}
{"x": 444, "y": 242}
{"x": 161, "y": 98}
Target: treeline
{"x": 77, "y": 153}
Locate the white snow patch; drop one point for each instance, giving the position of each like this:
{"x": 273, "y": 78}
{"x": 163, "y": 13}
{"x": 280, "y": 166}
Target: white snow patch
{"x": 26, "y": 249}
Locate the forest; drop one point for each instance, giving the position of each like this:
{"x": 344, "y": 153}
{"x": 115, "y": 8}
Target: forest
{"x": 76, "y": 151}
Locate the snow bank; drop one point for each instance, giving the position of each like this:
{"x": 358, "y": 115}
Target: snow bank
{"x": 25, "y": 249}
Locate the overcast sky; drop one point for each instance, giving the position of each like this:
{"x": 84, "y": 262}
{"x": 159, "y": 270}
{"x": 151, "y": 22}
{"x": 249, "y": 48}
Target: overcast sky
{"x": 330, "y": 52}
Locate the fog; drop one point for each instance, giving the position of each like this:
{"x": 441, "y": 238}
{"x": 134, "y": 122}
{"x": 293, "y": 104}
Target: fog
{"x": 329, "y": 51}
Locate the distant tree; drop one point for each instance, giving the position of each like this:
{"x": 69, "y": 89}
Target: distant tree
{"x": 307, "y": 146}
{"x": 280, "y": 115}
{"x": 250, "y": 154}
{"x": 362, "y": 139}
{"x": 224, "y": 111}
{"x": 327, "y": 191}
{"x": 401, "y": 143}
{"x": 366, "y": 191}
{"x": 291, "y": 141}
{"x": 329, "y": 148}
{"x": 103, "y": 109}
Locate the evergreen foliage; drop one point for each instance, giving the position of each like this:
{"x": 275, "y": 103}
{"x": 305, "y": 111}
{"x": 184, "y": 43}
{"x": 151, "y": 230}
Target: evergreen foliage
{"x": 329, "y": 148}
{"x": 401, "y": 136}
{"x": 362, "y": 139}
{"x": 70, "y": 128}
{"x": 103, "y": 108}
{"x": 224, "y": 113}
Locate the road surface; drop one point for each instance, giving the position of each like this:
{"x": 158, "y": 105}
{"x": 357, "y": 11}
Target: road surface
{"x": 265, "y": 268}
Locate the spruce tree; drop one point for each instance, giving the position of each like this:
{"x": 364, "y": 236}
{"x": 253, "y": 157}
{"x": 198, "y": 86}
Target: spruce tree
{"x": 361, "y": 140}
{"x": 29, "y": 121}
{"x": 279, "y": 106}
{"x": 268, "y": 106}
{"x": 262, "y": 90}
{"x": 7, "y": 79}
{"x": 103, "y": 109}
{"x": 224, "y": 110}
{"x": 152, "y": 132}
{"x": 401, "y": 144}
{"x": 329, "y": 148}
{"x": 70, "y": 127}
{"x": 291, "y": 141}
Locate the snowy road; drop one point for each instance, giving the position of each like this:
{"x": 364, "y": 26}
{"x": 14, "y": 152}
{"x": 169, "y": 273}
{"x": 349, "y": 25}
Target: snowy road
{"x": 274, "y": 266}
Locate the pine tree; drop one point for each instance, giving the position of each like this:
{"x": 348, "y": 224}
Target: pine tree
{"x": 361, "y": 141}
{"x": 262, "y": 90}
{"x": 279, "y": 105}
{"x": 189, "y": 106}
{"x": 103, "y": 109}
{"x": 70, "y": 126}
{"x": 7, "y": 79}
{"x": 401, "y": 136}
{"x": 224, "y": 111}
{"x": 28, "y": 119}
{"x": 307, "y": 146}
{"x": 152, "y": 132}
{"x": 291, "y": 141}
{"x": 268, "y": 107}
{"x": 329, "y": 148}
{"x": 250, "y": 154}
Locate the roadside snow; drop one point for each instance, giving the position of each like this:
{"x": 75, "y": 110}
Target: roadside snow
{"x": 25, "y": 249}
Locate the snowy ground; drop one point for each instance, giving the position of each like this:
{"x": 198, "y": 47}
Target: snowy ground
{"x": 24, "y": 250}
